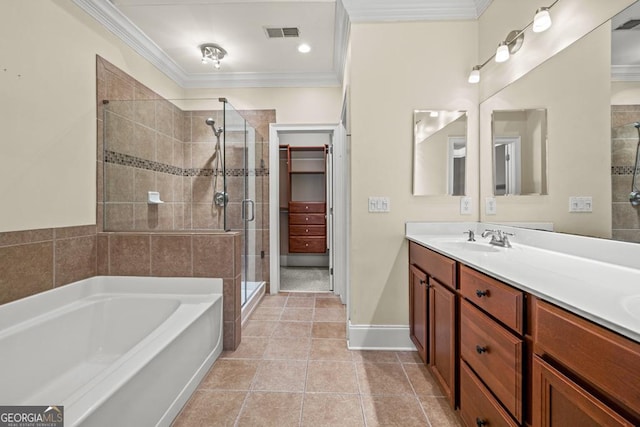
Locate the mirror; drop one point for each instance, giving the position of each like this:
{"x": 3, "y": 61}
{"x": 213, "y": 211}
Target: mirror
{"x": 590, "y": 143}
{"x": 439, "y": 152}
{"x": 519, "y": 152}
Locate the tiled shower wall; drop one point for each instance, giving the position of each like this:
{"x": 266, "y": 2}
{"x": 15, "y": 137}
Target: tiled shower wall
{"x": 154, "y": 146}
{"x": 624, "y": 140}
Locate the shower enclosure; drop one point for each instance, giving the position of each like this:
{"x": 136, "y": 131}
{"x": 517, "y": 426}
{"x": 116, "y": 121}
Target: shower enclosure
{"x": 189, "y": 167}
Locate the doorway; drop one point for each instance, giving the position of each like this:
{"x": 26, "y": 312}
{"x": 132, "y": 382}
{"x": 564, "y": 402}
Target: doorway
{"x": 303, "y": 209}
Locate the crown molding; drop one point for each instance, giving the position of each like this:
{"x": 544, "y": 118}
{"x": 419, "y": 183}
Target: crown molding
{"x": 413, "y": 10}
{"x": 625, "y": 73}
{"x": 112, "y": 19}
{"x": 341, "y": 40}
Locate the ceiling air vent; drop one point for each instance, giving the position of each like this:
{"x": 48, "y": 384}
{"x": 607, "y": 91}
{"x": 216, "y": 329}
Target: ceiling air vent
{"x": 275, "y": 33}
{"x": 632, "y": 23}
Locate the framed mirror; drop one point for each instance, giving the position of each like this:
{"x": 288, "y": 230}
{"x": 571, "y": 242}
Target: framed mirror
{"x": 519, "y": 152}
{"x": 439, "y": 152}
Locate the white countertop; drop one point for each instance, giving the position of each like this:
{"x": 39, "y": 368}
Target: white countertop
{"x": 594, "y": 278}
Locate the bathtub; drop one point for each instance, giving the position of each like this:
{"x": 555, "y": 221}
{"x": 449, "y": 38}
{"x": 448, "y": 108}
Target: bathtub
{"x": 125, "y": 351}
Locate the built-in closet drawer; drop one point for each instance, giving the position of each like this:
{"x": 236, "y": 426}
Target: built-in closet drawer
{"x": 438, "y": 266}
{"x": 307, "y": 207}
{"x": 307, "y": 230}
{"x": 478, "y": 407}
{"x": 308, "y": 244}
{"x": 494, "y": 354}
{"x": 497, "y": 299}
{"x": 310, "y": 219}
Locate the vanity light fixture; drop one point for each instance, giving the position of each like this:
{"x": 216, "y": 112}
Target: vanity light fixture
{"x": 212, "y": 54}
{"x": 542, "y": 20}
{"x": 512, "y": 43}
{"x": 502, "y": 52}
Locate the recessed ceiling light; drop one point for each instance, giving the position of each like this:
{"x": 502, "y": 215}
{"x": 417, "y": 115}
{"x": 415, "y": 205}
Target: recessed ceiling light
{"x": 304, "y": 48}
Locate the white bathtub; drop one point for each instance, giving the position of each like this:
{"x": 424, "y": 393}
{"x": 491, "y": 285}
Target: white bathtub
{"x": 125, "y": 351}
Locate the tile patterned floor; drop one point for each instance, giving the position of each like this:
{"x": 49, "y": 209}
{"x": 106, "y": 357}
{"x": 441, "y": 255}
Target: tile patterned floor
{"x": 293, "y": 368}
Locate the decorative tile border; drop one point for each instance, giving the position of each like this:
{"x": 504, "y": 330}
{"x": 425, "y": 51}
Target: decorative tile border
{"x": 623, "y": 170}
{"x": 137, "y": 162}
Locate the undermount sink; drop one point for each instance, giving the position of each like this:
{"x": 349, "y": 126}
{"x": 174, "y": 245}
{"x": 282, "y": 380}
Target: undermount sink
{"x": 469, "y": 246}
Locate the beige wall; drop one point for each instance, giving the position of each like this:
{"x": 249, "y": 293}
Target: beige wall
{"x": 625, "y": 93}
{"x": 396, "y": 68}
{"x": 48, "y": 149}
{"x": 292, "y": 105}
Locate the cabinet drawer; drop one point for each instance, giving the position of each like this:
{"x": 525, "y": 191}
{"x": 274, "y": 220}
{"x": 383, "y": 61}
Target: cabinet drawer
{"x": 477, "y": 406}
{"x": 311, "y": 219}
{"x": 495, "y": 354}
{"x": 499, "y": 300}
{"x": 598, "y": 356}
{"x": 559, "y": 402}
{"x": 307, "y": 207}
{"x": 308, "y": 244}
{"x": 307, "y": 230}
{"x": 434, "y": 264}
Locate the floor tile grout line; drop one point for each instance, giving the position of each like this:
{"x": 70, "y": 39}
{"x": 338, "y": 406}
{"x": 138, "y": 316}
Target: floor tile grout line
{"x": 415, "y": 394}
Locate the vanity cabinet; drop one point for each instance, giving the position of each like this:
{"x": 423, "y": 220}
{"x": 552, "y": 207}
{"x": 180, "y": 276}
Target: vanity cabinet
{"x": 583, "y": 374}
{"x": 432, "y": 314}
{"x": 491, "y": 349}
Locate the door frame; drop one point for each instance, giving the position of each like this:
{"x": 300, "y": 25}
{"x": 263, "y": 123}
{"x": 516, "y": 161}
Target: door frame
{"x": 339, "y": 253}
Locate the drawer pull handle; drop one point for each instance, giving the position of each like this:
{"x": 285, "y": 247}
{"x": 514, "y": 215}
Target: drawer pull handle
{"x": 306, "y": 207}
{"x": 306, "y": 231}
{"x": 306, "y": 218}
{"x": 306, "y": 245}
{"x": 481, "y": 349}
{"x": 423, "y": 282}
{"x": 481, "y": 294}
{"x": 480, "y": 422}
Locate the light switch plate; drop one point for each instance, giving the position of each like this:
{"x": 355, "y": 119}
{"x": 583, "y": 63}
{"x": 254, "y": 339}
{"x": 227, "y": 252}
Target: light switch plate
{"x": 379, "y": 204}
{"x": 490, "y": 205}
{"x": 465, "y": 205}
{"x": 580, "y": 204}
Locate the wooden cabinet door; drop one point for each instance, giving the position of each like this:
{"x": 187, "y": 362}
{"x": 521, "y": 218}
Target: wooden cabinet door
{"x": 418, "y": 294}
{"x": 559, "y": 402}
{"x": 442, "y": 343}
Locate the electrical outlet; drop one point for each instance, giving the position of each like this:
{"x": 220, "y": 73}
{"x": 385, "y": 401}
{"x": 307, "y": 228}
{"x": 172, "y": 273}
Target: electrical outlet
{"x": 490, "y": 205}
{"x": 465, "y": 205}
{"x": 580, "y": 204}
{"x": 379, "y": 204}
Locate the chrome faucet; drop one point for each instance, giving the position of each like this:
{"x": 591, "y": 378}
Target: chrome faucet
{"x": 498, "y": 238}
{"x": 472, "y": 235}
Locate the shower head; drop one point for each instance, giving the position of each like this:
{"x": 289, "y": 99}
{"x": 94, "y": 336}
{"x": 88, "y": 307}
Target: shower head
{"x": 212, "y": 123}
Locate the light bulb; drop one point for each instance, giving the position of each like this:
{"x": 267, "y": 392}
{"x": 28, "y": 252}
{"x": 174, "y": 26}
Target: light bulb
{"x": 474, "y": 75}
{"x": 542, "y": 20}
{"x": 304, "y": 48}
{"x": 216, "y": 64}
{"x": 502, "y": 53}
{"x": 204, "y": 60}
{"x": 433, "y": 114}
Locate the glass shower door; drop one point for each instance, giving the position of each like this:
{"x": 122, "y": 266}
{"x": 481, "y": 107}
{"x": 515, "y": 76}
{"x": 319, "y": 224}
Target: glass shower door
{"x": 243, "y": 160}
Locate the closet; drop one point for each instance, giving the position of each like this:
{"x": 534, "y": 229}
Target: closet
{"x": 305, "y": 183}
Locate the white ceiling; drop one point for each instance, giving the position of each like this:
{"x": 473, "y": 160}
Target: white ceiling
{"x": 169, "y": 32}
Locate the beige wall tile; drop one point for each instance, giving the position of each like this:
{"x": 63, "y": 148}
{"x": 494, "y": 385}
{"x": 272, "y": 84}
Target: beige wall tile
{"x": 25, "y": 270}
{"x": 10, "y": 238}
{"x": 75, "y": 259}
{"x": 129, "y": 255}
{"x": 213, "y": 255}
{"x": 171, "y": 256}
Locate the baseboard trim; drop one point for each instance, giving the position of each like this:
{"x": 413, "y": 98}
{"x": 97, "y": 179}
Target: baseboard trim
{"x": 379, "y": 337}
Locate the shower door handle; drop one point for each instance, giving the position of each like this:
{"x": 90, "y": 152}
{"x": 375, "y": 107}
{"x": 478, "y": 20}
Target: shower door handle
{"x": 250, "y": 202}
